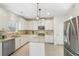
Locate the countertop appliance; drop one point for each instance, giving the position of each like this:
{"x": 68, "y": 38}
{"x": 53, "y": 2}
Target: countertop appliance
{"x": 71, "y": 37}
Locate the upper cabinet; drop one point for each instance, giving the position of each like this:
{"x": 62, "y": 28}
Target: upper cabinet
{"x": 13, "y": 22}
{"x": 33, "y": 25}
{"x": 41, "y": 22}
{"x": 21, "y": 24}
{"x": 4, "y": 18}
{"x": 49, "y": 24}
{"x": 8, "y": 20}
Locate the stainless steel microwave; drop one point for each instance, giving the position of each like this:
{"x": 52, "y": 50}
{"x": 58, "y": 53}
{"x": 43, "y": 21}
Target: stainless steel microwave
{"x": 41, "y": 27}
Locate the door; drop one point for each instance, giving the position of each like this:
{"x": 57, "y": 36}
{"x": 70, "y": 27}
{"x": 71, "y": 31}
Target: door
{"x": 66, "y": 33}
{"x": 69, "y": 35}
{"x": 74, "y": 35}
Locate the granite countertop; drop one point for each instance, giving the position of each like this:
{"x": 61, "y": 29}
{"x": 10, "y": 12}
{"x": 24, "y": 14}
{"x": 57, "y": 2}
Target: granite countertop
{"x": 7, "y": 39}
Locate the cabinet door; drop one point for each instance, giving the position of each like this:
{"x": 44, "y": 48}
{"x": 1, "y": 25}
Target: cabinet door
{"x": 21, "y": 24}
{"x": 31, "y": 25}
{"x": 49, "y": 39}
{"x": 22, "y": 41}
{"x": 17, "y": 43}
{"x": 41, "y": 22}
{"x": 34, "y": 25}
{"x": 0, "y": 49}
{"x": 49, "y": 25}
{"x": 4, "y": 17}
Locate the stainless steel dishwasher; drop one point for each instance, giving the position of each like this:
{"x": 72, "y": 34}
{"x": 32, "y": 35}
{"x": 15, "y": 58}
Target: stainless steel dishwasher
{"x": 8, "y": 47}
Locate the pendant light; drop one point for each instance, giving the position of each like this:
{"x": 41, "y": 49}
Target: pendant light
{"x": 38, "y": 11}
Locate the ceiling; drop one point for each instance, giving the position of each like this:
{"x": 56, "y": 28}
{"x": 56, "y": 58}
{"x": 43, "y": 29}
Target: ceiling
{"x": 29, "y": 10}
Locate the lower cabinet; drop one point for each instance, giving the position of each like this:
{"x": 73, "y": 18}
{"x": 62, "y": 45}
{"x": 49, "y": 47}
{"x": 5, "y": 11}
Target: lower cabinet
{"x": 20, "y": 41}
{"x": 49, "y": 39}
{"x": 17, "y": 43}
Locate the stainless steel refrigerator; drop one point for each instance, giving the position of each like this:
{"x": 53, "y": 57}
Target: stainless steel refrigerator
{"x": 71, "y": 37}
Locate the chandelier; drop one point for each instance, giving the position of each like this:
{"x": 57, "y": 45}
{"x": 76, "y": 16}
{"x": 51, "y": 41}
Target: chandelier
{"x": 38, "y": 12}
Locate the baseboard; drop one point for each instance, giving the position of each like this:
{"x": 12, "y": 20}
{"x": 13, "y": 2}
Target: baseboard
{"x": 48, "y": 43}
{"x": 59, "y": 44}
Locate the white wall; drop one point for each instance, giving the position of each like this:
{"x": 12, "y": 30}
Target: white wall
{"x": 74, "y": 11}
{"x": 58, "y": 29}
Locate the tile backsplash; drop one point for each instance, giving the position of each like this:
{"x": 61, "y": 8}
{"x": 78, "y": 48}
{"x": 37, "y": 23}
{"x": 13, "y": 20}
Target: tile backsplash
{"x": 35, "y": 32}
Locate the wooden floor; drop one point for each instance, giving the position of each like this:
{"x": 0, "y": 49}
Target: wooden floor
{"x": 50, "y": 50}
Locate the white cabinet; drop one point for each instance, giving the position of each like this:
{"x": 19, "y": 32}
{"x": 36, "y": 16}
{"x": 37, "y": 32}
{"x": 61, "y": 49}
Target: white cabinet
{"x": 41, "y": 22}
{"x": 23, "y": 40}
{"x": 22, "y": 24}
{"x": 13, "y": 22}
{"x": 0, "y": 48}
{"x": 27, "y": 25}
{"x": 32, "y": 25}
{"x": 33, "y": 38}
{"x": 49, "y": 39}
{"x": 17, "y": 43}
{"x": 20, "y": 41}
{"x": 4, "y": 17}
{"x": 49, "y": 24}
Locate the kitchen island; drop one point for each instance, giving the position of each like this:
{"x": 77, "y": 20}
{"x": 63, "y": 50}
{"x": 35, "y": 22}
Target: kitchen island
{"x": 12, "y": 44}
{"x": 7, "y": 46}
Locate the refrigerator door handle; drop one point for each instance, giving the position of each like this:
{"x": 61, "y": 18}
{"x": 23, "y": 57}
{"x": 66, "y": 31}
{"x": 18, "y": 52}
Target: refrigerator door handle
{"x": 68, "y": 34}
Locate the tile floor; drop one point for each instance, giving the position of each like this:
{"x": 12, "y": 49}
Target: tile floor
{"x": 24, "y": 51}
{"x": 54, "y": 50}
{"x": 50, "y": 50}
